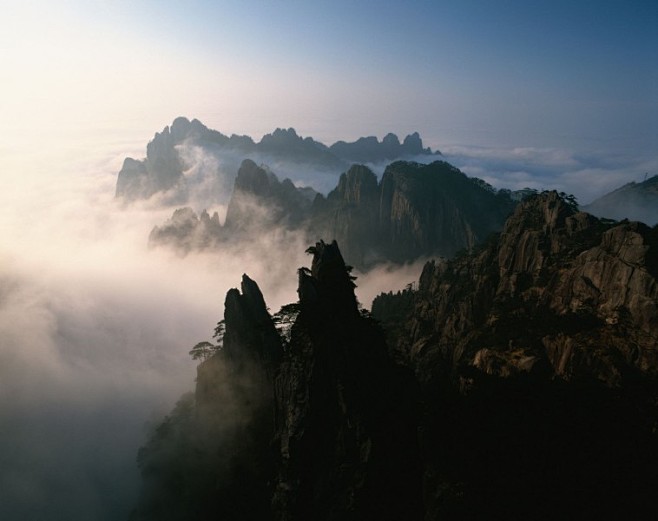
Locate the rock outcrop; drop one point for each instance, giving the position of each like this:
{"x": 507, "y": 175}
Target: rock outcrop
{"x": 578, "y": 285}
{"x": 347, "y": 413}
{"x": 537, "y": 360}
{"x": 260, "y": 202}
{"x": 161, "y": 171}
{"x": 213, "y": 457}
{"x": 516, "y": 382}
{"x": 323, "y": 429}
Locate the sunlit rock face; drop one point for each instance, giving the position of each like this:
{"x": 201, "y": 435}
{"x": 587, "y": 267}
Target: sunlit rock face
{"x": 538, "y": 361}
{"x": 557, "y": 285}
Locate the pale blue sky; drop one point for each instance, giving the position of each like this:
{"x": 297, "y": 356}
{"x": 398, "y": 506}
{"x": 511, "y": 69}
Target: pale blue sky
{"x": 504, "y": 73}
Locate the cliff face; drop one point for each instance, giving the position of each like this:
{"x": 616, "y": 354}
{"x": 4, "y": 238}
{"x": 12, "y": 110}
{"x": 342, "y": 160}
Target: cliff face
{"x": 213, "y": 457}
{"x": 574, "y": 282}
{"x": 517, "y": 382}
{"x": 260, "y": 202}
{"x": 323, "y": 429}
{"x": 162, "y": 170}
{"x": 347, "y": 414}
{"x": 537, "y": 363}
{"x": 416, "y": 210}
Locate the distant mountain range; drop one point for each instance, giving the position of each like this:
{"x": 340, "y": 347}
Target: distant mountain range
{"x": 633, "y": 201}
{"x": 188, "y": 156}
{"x": 415, "y": 210}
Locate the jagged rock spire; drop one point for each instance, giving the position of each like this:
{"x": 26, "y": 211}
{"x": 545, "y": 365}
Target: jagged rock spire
{"x": 328, "y": 287}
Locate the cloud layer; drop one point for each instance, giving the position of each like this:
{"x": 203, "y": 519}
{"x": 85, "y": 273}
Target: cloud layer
{"x": 95, "y": 329}
{"x": 587, "y": 175}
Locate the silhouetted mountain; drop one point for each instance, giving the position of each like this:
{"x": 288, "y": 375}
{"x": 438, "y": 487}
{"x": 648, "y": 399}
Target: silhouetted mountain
{"x": 259, "y": 203}
{"x": 634, "y": 201}
{"x": 415, "y": 210}
{"x": 518, "y": 382}
{"x": 188, "y": 157}
{"x": 371, "y": 150}
{"x": 322, "y": 426}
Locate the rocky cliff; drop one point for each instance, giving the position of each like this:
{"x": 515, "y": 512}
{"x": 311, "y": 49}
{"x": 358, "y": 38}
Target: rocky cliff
{"x": 414, "y": 211}
{"x": 259, "y": 203}
{"x": 516, "y": 382}
{"x": 584, "y": 289}
{"x": 347, "y": 414}
{"x": 537, "y": 360}
{"x": 320, "y": 426}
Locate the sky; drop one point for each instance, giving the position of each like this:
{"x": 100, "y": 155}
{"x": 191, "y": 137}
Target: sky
{"x": 95, "y": 329}
{"x": 509, "y": 73}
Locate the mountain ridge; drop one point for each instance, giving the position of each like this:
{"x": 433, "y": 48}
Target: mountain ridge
{"x": 415, "y": 210}
{"x": 633, "y": 201}
{"x": 163, "y": 171}
{"x": 516, "y": 382}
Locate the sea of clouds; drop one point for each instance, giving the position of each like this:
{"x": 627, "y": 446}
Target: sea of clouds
{"x": 95, "y": 328}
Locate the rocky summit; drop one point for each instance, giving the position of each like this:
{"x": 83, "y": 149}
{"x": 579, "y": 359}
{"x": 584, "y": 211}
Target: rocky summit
{"x": 519, "y": 381}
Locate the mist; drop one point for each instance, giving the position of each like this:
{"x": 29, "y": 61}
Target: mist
{"x": 95, "y": 327}
{"x": 588, "y": 174}
{"x": 95, "y": 331}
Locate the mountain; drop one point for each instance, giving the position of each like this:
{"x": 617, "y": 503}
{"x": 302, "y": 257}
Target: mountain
{"x": 415, "y": 210}
{"x": 188, "y": 159}
{"x": 371, "y": 150}
{"x": 258, "y": 204}
{"x": 320, "y": 426}
{"x": 517, "y": 382}
{"x": 634, "y": 201}
{"x": 538, "y": 360}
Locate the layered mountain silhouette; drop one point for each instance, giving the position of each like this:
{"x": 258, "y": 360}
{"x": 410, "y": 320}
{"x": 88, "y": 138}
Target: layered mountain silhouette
{"x": 415, "y": 210}
{"x": 516, "y": 382}
{"x": 187, "y": 156}
{"x": 633, "y": 201}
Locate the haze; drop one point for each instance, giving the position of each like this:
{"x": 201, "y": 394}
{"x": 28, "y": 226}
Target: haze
{"x": 95, "y": 329}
